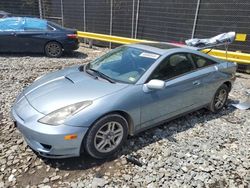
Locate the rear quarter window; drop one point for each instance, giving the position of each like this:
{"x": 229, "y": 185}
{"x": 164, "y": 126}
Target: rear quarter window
{"x": 35, "y": 25}
{"x": 202, "y": 61}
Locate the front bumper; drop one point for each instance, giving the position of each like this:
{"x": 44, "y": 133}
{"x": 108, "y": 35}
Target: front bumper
{"x": 47, "y": 140}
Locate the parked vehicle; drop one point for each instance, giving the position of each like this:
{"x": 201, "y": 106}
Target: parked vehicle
{"x": 94, "y": 107}
{"x": 25, "y": 34}
{"x": 4, "y": 14}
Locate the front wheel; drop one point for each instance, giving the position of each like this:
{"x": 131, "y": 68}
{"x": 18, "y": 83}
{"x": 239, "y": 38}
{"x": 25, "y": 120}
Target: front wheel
{"x": 53, "y": 49}
{"x": 106, "y": 136}
{"x": 220, "y": 98}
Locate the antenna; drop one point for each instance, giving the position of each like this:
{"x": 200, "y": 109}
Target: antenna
{"x": 226, "y": 48}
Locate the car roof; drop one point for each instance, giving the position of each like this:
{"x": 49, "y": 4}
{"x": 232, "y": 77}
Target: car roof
{"x": 23, "y": 17}
{"x": 162, "y": 47}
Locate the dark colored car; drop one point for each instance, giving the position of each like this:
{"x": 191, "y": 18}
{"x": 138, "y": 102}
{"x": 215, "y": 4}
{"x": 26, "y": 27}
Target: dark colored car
{"x": 4, "y": 14}
{"x": 25, "y": 34}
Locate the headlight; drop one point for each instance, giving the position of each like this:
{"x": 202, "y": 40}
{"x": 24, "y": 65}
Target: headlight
{"x": 59, "y": 116}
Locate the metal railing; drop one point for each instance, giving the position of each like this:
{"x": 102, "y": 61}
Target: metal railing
{"x": 109, "y": 38}
{"x": 238, "y": 57}
{"x": 158, "y": 20}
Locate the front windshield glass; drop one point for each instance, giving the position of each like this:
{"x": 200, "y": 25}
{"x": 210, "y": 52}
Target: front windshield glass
{"x": 124, "y": 64}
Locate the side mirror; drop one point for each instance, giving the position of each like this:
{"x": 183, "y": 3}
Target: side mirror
{"x": 154, "y": 85}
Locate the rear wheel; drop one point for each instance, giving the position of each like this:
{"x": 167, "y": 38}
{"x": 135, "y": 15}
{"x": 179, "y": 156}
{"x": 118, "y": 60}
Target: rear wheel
{"x": 106, "y": 136}
{"x": 220, "y": 98}
{"x": 53, "y": 49}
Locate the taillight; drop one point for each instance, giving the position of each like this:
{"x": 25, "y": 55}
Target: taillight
{"x": 72, "y": 36}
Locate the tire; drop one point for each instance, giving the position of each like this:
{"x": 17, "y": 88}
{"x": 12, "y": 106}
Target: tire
{"x": 106, "y": 136}
{"x": 53, "y": 49}
{"x": 219, "y": 99}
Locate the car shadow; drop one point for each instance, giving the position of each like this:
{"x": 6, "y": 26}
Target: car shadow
{"x": 74, "y": 54}
{"x": 165, "y": 131}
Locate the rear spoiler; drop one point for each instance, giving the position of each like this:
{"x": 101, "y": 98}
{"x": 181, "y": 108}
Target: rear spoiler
{"x": 223, "y": 39}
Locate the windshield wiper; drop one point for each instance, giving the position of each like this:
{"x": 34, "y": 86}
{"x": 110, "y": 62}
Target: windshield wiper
{"x": 101, "y": 75}
{"x": 81, "y": 68}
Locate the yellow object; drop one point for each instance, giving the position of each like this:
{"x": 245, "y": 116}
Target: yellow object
{"x": 238, "y": 57}
{"x": 70, "y": 137}
{"x": 109, "y": 38}
{"x": 241, "y": 37}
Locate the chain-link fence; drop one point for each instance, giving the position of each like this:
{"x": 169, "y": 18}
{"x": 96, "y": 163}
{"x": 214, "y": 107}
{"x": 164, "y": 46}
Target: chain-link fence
{"x": 160, "y": 20}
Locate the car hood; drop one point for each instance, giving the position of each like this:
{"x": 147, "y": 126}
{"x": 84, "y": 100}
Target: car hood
{"x": 66, "y": 87}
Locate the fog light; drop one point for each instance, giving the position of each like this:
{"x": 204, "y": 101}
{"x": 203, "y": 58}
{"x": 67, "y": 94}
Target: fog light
{"x": 70, "y": 137}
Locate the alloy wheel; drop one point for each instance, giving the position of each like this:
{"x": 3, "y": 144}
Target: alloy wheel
{"x": 220, "y": 98}
{"x": 108, "y": 137}
{"x": 53, "y": 49}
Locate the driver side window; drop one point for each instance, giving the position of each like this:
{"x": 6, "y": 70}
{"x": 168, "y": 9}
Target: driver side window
{"x": 11, "y": 24}
{"x": 172, "y": 66}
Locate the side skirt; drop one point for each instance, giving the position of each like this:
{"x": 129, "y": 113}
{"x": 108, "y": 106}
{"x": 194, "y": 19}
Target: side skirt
{"x": 169, "y": 119}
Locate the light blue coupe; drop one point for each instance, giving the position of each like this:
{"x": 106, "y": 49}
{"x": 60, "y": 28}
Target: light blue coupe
{"x": 94, "y": 107}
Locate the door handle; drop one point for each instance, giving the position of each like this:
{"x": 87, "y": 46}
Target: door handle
{"x": 196, "y": 83}
{"x": 13, "y": 33}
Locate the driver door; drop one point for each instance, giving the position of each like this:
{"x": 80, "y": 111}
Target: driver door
{"x": 180, "y": 94}
{"x": 8, "y": 34}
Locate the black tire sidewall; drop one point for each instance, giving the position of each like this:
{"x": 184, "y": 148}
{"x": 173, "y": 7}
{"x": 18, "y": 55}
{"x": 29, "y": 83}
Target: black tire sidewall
{"x": 48, "y": 54}
{"x": 89, "y": 138}
{"x": 212, "y": 105}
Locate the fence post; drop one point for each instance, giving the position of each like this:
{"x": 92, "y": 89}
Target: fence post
{"x": 137, "y": 18}
{"x": 84, "y": 19}
{"x": 62, "y": 13}
{"x": 111, "y": 21}
{"x": 195, "y": 18}
{"x": 40, "y": 8}
{"x": 132, "y": 22}
{"x": 84, "y": 15}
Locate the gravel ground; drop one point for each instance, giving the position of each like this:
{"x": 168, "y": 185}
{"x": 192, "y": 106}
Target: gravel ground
{"x": 201, "y": 149}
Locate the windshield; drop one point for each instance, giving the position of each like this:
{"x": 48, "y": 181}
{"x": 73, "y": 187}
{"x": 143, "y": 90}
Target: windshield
{"x": 124, "y": 64}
